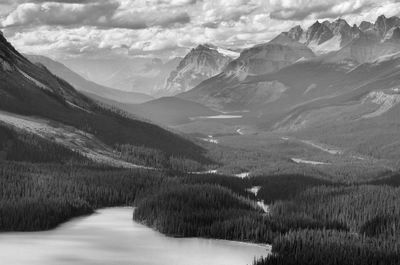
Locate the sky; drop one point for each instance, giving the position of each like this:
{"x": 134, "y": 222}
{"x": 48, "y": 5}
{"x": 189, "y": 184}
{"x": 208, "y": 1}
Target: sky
{"x": 165, "y": 28}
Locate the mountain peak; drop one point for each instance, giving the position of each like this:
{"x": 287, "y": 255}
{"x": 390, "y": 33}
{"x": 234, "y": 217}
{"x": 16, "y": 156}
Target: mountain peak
{"x": 365, "y": 25}
{"x": 318, "y": 33}
{"x": 295, "y": 32}
{"x": 201, "y": 63}
{"x": 381, "y": 18}
{"x": 383, "y": 24}
{"x": 204, "y": 46}
{"x": 316, "y": 24}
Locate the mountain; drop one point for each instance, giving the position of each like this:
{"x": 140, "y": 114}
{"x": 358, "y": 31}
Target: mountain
{"x": 141, "y": 75}
{"x": 269, "y": 57}
{"x": 90, "y": 88}
{"x": 327, "y": 36}
{"x": 230, "y": 91}
{"x": 354, "y": 109}
{"x": 335, "y": 43}
{"x": 371, "y": 40}
{"x": 34, "y": 100}
{"x": 199, "y": 64}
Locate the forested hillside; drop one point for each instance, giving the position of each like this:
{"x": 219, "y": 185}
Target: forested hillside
{"x": 371, "y": 214}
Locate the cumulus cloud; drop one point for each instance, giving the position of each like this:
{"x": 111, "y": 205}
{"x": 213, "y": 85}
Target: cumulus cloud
{"x": 62, "y": 28}
{"x": 100, "y": 13}
{"x": 303, "y": 9}
{"x": 51, "y": 13}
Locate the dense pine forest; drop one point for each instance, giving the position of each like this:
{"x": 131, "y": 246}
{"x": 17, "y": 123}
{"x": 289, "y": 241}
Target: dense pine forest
{"x": 310, "y": 220}
{"x": 370, "y": 213}
{"x": 41, "y": 196}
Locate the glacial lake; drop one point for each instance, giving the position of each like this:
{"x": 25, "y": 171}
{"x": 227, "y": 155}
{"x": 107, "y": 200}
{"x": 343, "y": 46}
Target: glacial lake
{"x": 111, "y": 237}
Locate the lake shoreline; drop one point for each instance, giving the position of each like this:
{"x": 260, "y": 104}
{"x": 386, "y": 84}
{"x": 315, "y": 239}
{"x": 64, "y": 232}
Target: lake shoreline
{"x": 112, "y": 232}
{"x": 96, "y": 211}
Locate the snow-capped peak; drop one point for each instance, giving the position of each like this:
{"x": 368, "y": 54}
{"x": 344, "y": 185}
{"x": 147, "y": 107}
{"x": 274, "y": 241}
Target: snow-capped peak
{"x": 224, "y": 51}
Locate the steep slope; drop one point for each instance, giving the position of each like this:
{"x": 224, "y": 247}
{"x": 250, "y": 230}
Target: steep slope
{"x": 87, "y": 86}
{"x": 199, "y": 64}
{"x": 266, "y": 58}
{"x": 29, "y": 90}
{"x": 230, "y": 91}
{"x": 327, "y": 36}
{"x": 363, "y": 43}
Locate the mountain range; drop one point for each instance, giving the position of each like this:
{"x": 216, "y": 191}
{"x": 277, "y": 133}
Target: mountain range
{"x": 331, "y": 82}
{"x": 90, "y": 88}
{"x": 140, "y": 75}
{"x": 329, "y": 43}
{"x": 332, "y": 36}
{"x": 336, "y": 85}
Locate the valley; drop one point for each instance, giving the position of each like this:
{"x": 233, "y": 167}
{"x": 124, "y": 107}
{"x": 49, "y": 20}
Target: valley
{"x": 280, "y": 153}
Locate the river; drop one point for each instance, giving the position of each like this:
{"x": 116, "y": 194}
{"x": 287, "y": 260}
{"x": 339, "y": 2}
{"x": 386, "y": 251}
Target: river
{"x": 111, "y": 237}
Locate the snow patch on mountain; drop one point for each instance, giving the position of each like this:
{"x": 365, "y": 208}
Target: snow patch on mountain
{"x": 228, "y": 53}
{"x": 384, "y": 101}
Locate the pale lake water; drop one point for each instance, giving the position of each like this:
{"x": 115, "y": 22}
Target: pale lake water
{"x": 216, "y": 117}
{"x": 111, "y": 237}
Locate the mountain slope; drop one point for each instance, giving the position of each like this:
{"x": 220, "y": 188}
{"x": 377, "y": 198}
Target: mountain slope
{"x": 199, "y": 64}
{"x": 266, "y": 58}
{"x": 29, "y": 90}
{"x": 141, "y": 75}
{"x": 337, "y": 44}
{"x": 87, "y": 86}
{"x": 230, "y": 91}
{"x": 354, "y": 109}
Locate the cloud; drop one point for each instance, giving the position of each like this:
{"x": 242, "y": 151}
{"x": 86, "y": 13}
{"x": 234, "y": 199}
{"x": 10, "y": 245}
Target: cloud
{"x": 52, "y": 13}
{"x": 108, "y": 14}
{"x": 302, "y": 9}
{"x": 137, "y": 19}
{"x": 165, "y": 28}
{"x": 219, "y": 11}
